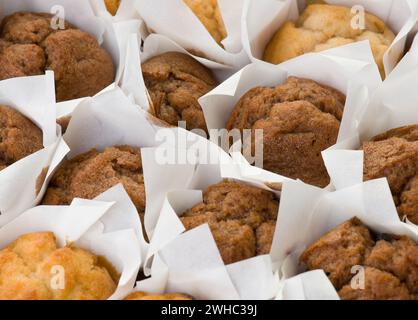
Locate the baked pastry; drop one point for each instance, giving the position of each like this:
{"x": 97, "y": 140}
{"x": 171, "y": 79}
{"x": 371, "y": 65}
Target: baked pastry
{"x": 147, "y": 296}
{"x": 390, "y": 264}
{"x": 64, "y": 122}
{"x": 175, "y": 81}
{"x": 112, "y": 6}
{"x": 29, "y": 46}
{"x": 394, "y": 155}
{"x": 299, "y": 118}
{"x": 242, "y": 219}
{"x": 210, "y": 15}
{"x": 19, "y": 137}
{"x": 321, "y": 27}
{"x": 92, "y": 173}
{"x": 27, "y": 271}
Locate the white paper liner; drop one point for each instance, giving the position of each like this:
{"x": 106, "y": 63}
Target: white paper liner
{"x": 81, "y": 14}
{"x": 393, "y": 105}
{"x": 34, "y": 97}
{"x": 132, "y": 81}
{"x": 187, "y": 262}
{"x": 358, "y": 78}
{"x": 301, "y": 223}
{"x": 262, "y": 18}
{"x": 105, "y": 228}
{"x": 163, "y": 16}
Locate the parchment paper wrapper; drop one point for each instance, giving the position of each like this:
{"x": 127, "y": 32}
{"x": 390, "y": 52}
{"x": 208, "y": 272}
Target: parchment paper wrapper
{"x": 163, "y": 16}
{"x": 22, "y": 183}
{"x": 108, "y": 226}
{"x": 262, "y": 18}
{"x": 393, "y": 105}
{"x": 358, "y": 78}
{"x": 132, "y": 81}
{"x": 80, "y": 13}
{"x": 111, "y": 119}
{"x": 301, "y": 223}
{"x": 190, "y": 262}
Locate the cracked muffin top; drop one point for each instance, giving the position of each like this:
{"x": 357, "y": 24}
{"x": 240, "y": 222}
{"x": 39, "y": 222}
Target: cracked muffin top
{"x": 390, "y": 264}
{"x": 92, "y": 173}
{"x": 167, "y": 296}
{"x": 321, "y": 27}
{"x": 394, "y": 155}
{"x": 29, "y": 46}
{"x": 26, "y": 271}
{"x": 299, "y": 119}
{"x": 209, "y": 14}
{"x": 19, "y": 137}
{"x": 242, "y": 219}
{"x": 175, "y": 81}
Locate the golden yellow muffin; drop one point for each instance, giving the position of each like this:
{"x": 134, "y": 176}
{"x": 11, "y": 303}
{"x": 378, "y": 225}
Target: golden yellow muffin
{"x": 146, "y": 296}
{"x": 32, "y": 267}
{"x": 209, "y": 14}
{"x": 112, "y": 6}
{"x": 322, "y": 27}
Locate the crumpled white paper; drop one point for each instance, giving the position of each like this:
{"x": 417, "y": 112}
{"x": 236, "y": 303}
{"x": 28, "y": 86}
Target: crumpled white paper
{"x": 107, "y": 226}
{"x": 301, "y": 223}
{"x": 190, "y": 262}
{"x": 175, "y": 20}
{"x": 393, "y": 105}
{"x": 34, "y": 97}
{"x": 262, "y": 18}
{"x": 357, "y": 77}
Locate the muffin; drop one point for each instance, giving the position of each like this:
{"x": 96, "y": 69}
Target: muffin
{"x": 390, "y": 264}
{"x": 242, "y": 219}
{"x": 299, "y": 118}
{"x": 321, "y": 27}
{"x": 27, "y": 271}
{"x": 394, "y": 155}
{"x": 146, "y": 296}
{"x": 29, "y": 46}
{"x": 175, "y": 81}
{"x": 209, "y": 14}
{"x": 92, "y": 173}
{"x": 19, "y": 137}
{"x": 112, "y": 6}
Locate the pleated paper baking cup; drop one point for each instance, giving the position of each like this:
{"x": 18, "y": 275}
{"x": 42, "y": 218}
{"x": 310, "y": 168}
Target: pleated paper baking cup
{"x": 188, "y": 262}
{"x": 357, "y": 78}
{"x": 163, "y": 16}
{"x": 22, "y": 183}
{"x": 263, "y": 18}
{"x": 107, "y": 226}
{"x": 301, "y": 223}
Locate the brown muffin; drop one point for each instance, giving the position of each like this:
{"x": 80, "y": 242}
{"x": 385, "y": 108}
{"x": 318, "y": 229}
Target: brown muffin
{"x": 19, "y": 137}
{"x": 210, "y": 15}
{"x": 242, "y": 219}
{"x": 321, "y": 27}
{"x": 112, "y": 6}
{"x": 147, "y": 296}
{"x": 92, "y": 173}
{"x": 394, "y": 155}
{"x": 27, "y": 271}
{"x": 299, "y": 118}
{"x": 379, "y": 285}
{"x": 339, "y": 250}
{"x": 29, "y": 46}
{"x": 391, "y": 266}
{"x": 175, "y": 81}
{"x": 398, "y": 257}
